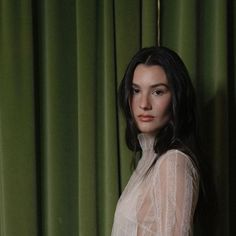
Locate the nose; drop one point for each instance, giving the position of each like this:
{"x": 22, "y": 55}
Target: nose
{"x": 145, "y": 103}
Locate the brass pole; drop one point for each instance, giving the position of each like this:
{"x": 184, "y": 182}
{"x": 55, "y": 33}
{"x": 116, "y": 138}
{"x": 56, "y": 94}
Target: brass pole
{"x": 158, "y": 22}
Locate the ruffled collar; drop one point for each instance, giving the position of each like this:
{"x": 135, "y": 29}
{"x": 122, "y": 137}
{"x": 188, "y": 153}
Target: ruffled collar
{"x": 146, "y": 141}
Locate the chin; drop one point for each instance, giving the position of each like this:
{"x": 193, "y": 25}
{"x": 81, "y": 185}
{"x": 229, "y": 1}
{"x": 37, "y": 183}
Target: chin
{"x": 148, "y": 130}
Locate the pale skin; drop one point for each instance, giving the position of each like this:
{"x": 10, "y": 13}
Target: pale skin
{"x": 151, "y": 100}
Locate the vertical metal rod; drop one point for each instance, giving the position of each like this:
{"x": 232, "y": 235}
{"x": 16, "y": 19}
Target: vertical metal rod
{"x": 158, "y": 22}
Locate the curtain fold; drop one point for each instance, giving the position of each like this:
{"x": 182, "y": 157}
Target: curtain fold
{"x": 56, "y": 115}
{"x": 86, "y": 31}
{"x": 106, "y": 120}
{"x": 17, "y": 163}
{"x": 63, "y": 157}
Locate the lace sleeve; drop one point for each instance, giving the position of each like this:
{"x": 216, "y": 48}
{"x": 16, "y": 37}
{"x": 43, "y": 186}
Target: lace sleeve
{"x": 176, "y": 194}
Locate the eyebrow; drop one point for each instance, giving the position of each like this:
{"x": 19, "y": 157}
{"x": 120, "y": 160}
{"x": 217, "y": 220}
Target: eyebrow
{"x": 153, "y": 85}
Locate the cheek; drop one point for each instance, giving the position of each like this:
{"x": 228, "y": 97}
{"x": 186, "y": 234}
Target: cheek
{"x": 166, "y": 107}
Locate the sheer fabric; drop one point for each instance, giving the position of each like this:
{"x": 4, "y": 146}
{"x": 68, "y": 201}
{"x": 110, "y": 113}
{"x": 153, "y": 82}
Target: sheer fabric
{"x": 159, "y": 202}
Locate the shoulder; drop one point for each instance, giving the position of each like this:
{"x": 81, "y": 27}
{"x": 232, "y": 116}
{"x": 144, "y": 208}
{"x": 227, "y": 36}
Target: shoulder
{"x": 175, "y": 155}
{"x": 180, "y": 160}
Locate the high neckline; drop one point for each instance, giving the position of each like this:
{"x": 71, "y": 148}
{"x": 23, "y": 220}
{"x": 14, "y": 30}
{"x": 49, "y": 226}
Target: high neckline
{"x": 146, "y": 141}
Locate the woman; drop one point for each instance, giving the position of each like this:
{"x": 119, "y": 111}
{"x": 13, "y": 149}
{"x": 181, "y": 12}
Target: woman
{"x": 157, "y": 98}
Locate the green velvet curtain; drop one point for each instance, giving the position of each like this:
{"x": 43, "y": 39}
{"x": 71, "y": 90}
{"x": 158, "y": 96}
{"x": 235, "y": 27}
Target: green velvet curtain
{"x": 63, "y": 159}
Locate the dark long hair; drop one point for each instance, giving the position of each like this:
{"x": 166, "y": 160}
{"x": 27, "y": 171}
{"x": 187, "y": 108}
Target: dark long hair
{"x": 181, "y": 132}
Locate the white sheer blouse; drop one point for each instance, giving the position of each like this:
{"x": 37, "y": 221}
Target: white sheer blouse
{"x": 162, "y": 202}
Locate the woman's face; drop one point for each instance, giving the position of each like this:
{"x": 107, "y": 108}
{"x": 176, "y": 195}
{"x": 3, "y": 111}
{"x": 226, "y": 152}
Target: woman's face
{"x": 151, "y": 98}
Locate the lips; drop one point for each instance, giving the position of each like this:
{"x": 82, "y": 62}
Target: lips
{"x": 146, "y": 118}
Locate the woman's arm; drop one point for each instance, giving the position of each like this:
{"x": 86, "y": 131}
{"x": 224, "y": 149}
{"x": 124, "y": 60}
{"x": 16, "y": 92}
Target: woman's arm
{"x": 176, "y": 194}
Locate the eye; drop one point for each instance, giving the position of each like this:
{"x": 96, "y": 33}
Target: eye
{"x": 158, "y": 92}
{"x": 135, "y": 91}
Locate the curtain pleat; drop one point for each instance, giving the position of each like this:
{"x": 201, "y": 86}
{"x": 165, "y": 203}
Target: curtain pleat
{"x": 17, "y": 162}
{"x": 57, "y": 117}
{"x": 86, "y": 31}
{"x": 63, "y": 157}
{"x": 149, "y": 23}
{"x": 179, "y": 30}
{"x": 106, "y": 122}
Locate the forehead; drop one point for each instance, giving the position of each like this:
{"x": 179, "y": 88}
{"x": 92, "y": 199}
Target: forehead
{"x": 149, "y": 75}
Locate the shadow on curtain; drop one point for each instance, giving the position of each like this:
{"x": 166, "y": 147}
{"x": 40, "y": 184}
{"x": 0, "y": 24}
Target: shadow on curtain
{"x": 63, "y": 160}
